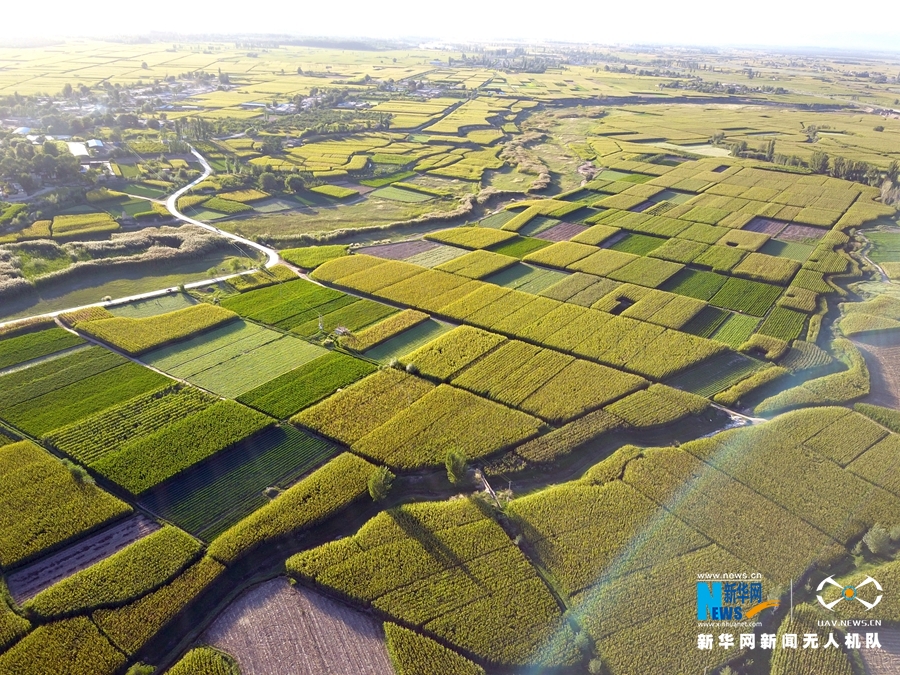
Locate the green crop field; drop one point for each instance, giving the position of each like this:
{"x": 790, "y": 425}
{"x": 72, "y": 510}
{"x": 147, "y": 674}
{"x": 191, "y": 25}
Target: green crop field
{"x": 215, "y": 495}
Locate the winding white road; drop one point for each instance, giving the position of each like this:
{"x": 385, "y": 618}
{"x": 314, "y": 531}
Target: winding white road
{"x": 272, "y": 256}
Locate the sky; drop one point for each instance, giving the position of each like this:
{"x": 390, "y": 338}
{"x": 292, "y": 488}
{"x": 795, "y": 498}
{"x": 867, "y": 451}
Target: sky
{"x": 784, "y": 23}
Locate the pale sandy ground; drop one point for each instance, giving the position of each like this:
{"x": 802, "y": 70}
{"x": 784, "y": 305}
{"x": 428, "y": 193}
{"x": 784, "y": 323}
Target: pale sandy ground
{"x": 885, "y": 661}
{"x": 882, "y": 354}
{"x": 291, "y": 630}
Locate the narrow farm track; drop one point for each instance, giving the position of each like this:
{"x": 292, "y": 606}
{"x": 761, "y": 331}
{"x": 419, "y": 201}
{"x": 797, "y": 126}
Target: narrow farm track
{"x": 171, "y": 203}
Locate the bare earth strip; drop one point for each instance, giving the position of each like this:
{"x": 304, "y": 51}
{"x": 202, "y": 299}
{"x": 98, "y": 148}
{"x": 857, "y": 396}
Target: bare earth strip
{"x": 884, "y": 661}
{"x": 882, "y": 354}
{"x": 31, "y": 580}
{"x": 291, "y": 630}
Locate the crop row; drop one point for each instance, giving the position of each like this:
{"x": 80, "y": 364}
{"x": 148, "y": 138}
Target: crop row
{"x": 308, "y": 384}
{"x": 137, "y": 336}
{"x": 226, "y": 206}
{"x": 444, "y": 357}
{"x": 783, "y": 323}
{"x": 616, "y": 341}
{"x": 471, "y": 237}
{"x": 839, "y": 387}
{"x": 804, "y": 621}
{"x": 741, "y": 295}
{"x": 477, "y": 264}
{"x": 552, "y": 446}
{"x": 131, "y": 626}
{"x": 268, "y": 276}
{"x": 43, "y": 505}
{"x": 832, "y": 499}
{"x": 320, "y": 495}
{"x": 214, "y": 495}
{"x": 412, "y": 654}
{"x": 83, "y": 398}
{"x": 205, "y": 661}
{"x": 450, "y": 570}
{"x": 670, "y": 476}
{"x": 148, "y": 460}
{"x": 34, "y": 345}
{"x": 767, "y": 268}
{"x": 444, "y": 418}
{"x": 545, "y": 383}
{"x": 29, "y": 383}
{"x": 72, "y": 646}
{"x": 656, "y": 406}
{"x": 12, "y": 626}
{"x": 90, "y": 439}
{"x": 357, "y": 410}
{"x": 384, "y": 330}
{"x": 124, "y": 576}
{"x": 613, "y": 516}
{"x": 846, "y": 438}
{"x": 291, "y": 301}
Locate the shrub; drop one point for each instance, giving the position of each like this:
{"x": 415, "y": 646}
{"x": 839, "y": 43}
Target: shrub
{"x": 379, "y": 483}
{"x": 456, "y": 466}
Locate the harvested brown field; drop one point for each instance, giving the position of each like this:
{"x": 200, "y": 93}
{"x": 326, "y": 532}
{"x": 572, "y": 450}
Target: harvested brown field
{"x": 884, "y": 661}
{"x": 561, "y": 232}
{"x": 31, "y": 580}
{"x": 399, "y": 251}
{"x": 279, "y": 628}
{"x": 802, "y": 233}
{"x": 882, "y": 354}
{"x": 766, "y": 226}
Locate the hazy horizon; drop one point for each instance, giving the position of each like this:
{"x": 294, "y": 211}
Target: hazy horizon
{"x": 699, "y": 23}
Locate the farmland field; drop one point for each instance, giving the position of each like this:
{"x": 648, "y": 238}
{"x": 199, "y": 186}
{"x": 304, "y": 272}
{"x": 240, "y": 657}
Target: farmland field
{"x": 217, "y": 493}
{"x": 277, "y": 625}
{"x": 234, "y": 359}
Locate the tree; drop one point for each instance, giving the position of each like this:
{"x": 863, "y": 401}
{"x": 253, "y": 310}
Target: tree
{"x": 294, "y": 183}
{"x": 456, "y": 466}
{"x": 50, "y": 149}
{"x": 839, "y": 167}
{"x": 380, "y": 482}
{"x": 770, "y": 149}
{"x": 818, "y": 162}
{"x": 268, "y": 181}
{"x": 893, "y": 171}
{"x": 878, "y": 540}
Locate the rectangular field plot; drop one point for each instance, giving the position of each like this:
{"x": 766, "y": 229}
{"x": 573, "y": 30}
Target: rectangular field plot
{"x": 788, "y": 249}
{"x": 153, "y": 306}
{"x": 232, "y": 361}
{"x": 743, "y": 295}
{"x": 562, "y": 232}
{"x": 302, "y": 387}
{"x": 401, "y": 250}
{"x": 53, "y": 393}
{"x": 24, "y": 348}
{"x": 436, "y": 256}
{"x": 28, "y": 581}
{"x": 525, "y": 278}
{"x": 715, "y": 375}
{"x": 885, "y": 245}
{"x": 219, "y": 492}
{"x": 408, "y": 340}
